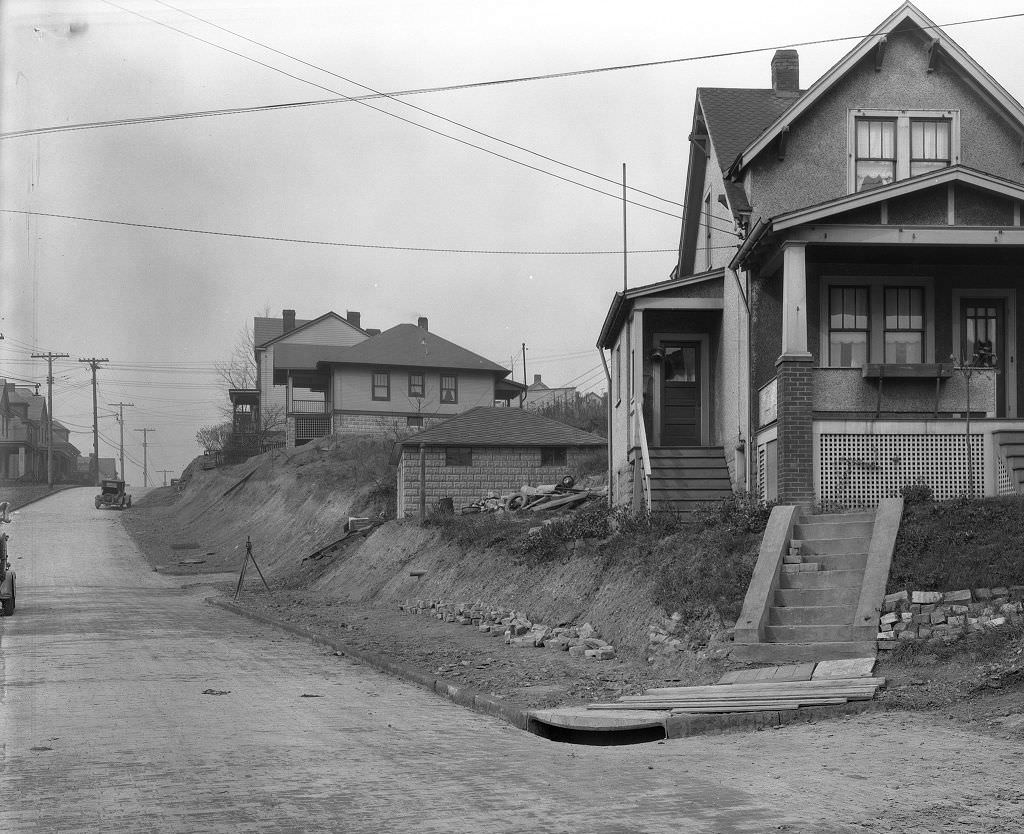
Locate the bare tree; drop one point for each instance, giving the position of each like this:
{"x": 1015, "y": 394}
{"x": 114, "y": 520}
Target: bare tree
{"x": 214, "y": 438}
{"x": 239, "y": 369}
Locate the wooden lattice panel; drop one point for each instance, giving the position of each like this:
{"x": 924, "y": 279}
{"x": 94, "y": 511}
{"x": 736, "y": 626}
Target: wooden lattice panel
{"x": 860, "y": 470}
{"x": 1004, "y": 480}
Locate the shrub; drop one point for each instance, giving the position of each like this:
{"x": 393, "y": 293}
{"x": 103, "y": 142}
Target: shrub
{"x": 917, "y": 493}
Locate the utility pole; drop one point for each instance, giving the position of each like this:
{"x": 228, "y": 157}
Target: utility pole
{"x": 164, "y": 472}
{"x": 120, "y": 419}
{"x": 94, "y": 467}
{"x": 145, "y": 460}
{"x": 522, "y": 399}
{"x": 49, "y": 357}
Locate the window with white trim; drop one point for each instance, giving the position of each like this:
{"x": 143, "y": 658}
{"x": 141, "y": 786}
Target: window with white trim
{"x": 879, "y": 320}
{"x": 890, "y": 145}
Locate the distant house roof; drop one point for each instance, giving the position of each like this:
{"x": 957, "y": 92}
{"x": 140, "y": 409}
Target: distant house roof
{"x": 35, "y": 402}
{"x": 483, "y": 426}
{"x": 736, "y": 116}
{"x": 275, "y": 327}
{"x": 405, "y": 345}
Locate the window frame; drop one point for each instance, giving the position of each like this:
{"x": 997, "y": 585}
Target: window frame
{"x": 387, "y": 384}
{"x": 422, "y": 384}
{"x": 414, "y": 421}
{"x": 903, "y": 119}
{"x": 886, "y": 330}
{"x": 451, "y": 453}
{"x": 454, "y": 389}
{"x": 560, "y": 453}
{"x": 876, "y": 313}
{"x": 866, "y": 330}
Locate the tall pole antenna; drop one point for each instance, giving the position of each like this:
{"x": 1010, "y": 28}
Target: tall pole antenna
{"x": 145, "y": 459}
{"x": 49, "y": 357}
{"x": 625, "y": 263}
{"x": 120, "y": 419}
{"x": 94, "y": 465}
{"x": 522, "y": 399}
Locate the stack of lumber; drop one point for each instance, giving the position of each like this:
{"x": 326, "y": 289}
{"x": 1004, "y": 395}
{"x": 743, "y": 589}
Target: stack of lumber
{"x": 750, "y": 697}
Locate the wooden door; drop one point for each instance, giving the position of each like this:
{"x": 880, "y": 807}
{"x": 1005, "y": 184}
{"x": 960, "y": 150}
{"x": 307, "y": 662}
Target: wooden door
{"x": 983, "y": 336}
{"x": 680, "y": 394}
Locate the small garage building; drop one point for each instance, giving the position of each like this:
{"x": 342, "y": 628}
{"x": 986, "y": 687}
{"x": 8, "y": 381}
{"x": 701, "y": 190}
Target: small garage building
{"x": 486, "y": 450}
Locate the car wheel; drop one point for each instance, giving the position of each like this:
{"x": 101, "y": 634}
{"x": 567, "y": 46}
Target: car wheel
{"x": 8, "y": 605}
{"x": 129, "y": 502}
{"x": 97, "y": 503}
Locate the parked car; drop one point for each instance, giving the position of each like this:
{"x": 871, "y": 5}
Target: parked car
{"x": 7, "y": 576}
{"x": 113, "y": 493}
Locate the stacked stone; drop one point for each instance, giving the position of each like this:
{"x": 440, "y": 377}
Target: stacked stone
{"x": 516, "y": 628}
{"x": 945, "y": 616}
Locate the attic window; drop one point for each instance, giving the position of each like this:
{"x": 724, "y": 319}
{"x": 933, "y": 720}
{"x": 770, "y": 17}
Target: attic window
{"x": 890, "y": 145}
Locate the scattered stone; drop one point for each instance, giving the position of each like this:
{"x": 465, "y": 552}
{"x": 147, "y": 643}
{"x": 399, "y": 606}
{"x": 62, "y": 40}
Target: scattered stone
{"x": 926, "y": 596}
{"x": 957, "y": 596}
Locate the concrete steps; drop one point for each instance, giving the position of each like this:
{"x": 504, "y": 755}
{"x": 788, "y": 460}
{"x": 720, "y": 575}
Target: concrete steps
{"x": 811, "y": 613}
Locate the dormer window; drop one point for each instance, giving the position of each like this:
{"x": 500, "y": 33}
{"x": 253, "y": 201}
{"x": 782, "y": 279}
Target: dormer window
{"x": 890, "y": 145}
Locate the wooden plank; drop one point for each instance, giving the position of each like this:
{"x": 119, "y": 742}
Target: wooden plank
{"x": 762, "y": 708}
{"x": 765, "y": 703}
{"x": 561, "y": 502}
{"x": 239, "y": 482}
{"x": 810, "y": 685}
{"x": 852, "y": 695}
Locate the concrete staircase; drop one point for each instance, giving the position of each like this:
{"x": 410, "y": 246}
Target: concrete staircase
{"x": 817, "y": 601}
{"x": 683, "y": 477}
{"x": 1010, "y": 444}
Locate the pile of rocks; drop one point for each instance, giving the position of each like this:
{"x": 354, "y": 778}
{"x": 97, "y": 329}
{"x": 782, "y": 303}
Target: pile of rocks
{"x": 515, "y": 627}
{"x": 945, "y": 616}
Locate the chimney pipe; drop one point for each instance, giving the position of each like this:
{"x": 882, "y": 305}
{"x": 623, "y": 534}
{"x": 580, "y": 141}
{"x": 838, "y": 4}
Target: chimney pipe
{"x": 786, "y": 72}
{"x": 536, "y": 379}
{"x": 289, "y": 320}
{"x": 353, "y": 317}
{"x": 422, "y": 322}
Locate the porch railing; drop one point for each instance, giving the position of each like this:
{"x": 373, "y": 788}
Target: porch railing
{"x": 640, "y": 440}
{"x": 309, "y": 406}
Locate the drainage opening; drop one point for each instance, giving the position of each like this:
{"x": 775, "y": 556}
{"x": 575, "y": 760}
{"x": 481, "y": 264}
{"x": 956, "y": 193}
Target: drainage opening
{"x": 602, "y": 738}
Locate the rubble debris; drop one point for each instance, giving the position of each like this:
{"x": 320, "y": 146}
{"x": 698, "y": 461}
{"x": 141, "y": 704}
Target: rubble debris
{"x": 515, "y": 628}
{"x": 534, "y": 498}
{"x": 942, "y": 617}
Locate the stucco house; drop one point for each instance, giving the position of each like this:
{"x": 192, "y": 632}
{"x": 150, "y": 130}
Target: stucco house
{"x": 846, "y": 290}
{"x": 328, "y": 375}
{"x": 485, "y": 450}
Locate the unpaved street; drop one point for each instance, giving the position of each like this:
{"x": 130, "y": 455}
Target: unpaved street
{"x": 105, "y": 727}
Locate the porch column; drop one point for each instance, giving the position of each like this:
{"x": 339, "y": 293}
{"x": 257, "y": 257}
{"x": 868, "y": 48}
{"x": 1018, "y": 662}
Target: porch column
{"x": 794, "y": 371}
{"x": 794, "y": 299}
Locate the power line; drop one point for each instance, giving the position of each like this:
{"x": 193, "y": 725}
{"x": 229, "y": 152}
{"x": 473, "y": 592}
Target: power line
{"x": 311, "y": 242}
{"x": 413, "y": 106}
{"x": 230, "y": 111}
{"x": 380, "y": 110}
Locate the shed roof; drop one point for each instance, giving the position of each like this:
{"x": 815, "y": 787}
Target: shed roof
{"x": 487, "y": 426}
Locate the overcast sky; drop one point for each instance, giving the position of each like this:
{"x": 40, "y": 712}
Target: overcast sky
{"x": 163, "y": 305}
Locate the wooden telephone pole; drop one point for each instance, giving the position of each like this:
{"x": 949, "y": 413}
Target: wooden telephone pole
{"x": 94, "y": 466}
{"x": 165, "y": 473}
{"x": 120, "y": 419}
{"x": 49, "y": 357}
{"x": 145, "y": 460}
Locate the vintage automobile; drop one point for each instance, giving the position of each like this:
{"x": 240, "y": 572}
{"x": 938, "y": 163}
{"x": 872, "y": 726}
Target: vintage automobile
{"x": 7, "y": 576}
{"x": 113, "y": 494}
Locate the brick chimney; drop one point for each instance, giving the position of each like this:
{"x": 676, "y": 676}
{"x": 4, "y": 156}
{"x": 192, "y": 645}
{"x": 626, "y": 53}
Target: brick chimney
{"x": 786, "y": 72}
{"x": 422, "y": 322}
{"x": 353, "y": 317}
{"x": 289, "y": 320}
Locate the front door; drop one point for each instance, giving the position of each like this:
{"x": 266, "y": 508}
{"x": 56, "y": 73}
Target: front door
{"x": 983, "y": 336}
{"x": 680, "y": 394}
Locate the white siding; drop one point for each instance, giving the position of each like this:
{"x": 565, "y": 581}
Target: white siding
{"x": 331, "y": 332}
{"x": 352, "y": 391}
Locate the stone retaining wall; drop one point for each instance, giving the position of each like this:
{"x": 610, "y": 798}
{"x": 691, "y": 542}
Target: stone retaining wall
{"x": 941, "y": 617}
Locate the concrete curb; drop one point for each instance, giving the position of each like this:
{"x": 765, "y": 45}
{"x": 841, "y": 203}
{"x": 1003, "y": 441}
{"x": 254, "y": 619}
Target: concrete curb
{"x": 676, "y": 726}
{"x": 464, "y": 696}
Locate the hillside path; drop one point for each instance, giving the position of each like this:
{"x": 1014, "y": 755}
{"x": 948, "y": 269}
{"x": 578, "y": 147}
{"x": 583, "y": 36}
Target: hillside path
{"x": 109, "y": 723}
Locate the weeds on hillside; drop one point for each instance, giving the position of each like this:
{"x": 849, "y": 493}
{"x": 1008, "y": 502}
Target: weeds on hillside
{"x": 478, "y": 530}
{"x": 965, "y": 543}
{"x": 981, "y": 645}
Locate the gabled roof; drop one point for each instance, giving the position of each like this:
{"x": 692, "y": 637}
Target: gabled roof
{"x": 36, "y": 403}
{"x": 620, "y": 305}
{"x": 735, "y": 117}
{"x": 485, "y": 426}
{"x": 276, "y": 328}
{"x": 406, "y": 345}
{"x": 908, "y": 12}
{"x": 943, "y": 176}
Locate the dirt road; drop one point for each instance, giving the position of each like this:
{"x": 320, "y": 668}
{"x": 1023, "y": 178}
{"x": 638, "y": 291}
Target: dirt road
{"x": 128, "y": 704}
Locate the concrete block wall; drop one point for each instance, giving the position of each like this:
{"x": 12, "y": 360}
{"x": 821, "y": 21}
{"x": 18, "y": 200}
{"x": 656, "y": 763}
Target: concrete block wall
{"x": 495, "y": 469}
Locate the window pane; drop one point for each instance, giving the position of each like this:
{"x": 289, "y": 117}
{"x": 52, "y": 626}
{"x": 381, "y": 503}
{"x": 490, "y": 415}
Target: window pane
{"x": 918, "y": 168}
{"x": 848, "y": 350}
{"x": 904, "y": 347}
{"x": 873, "y": 174}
